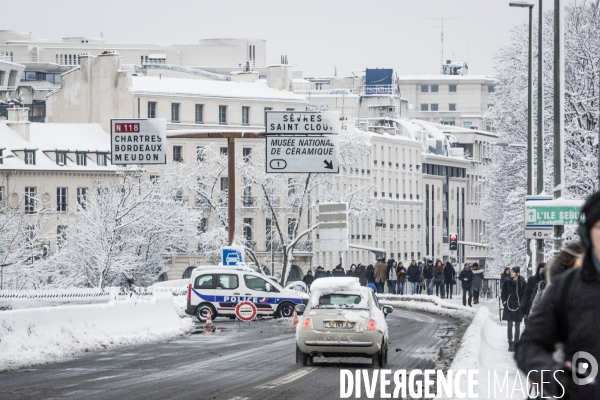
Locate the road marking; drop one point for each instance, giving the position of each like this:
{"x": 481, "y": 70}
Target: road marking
{"x": 287, "y": 378}
{"x": 239, "y": 398}
{"x": 102, "y": 378}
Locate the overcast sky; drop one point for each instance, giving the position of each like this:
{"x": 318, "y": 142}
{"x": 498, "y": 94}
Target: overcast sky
{"x": 315, "y": 34}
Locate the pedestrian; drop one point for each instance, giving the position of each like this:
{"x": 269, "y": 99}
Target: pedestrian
{"x": 421, "y": 284}
{"x": 568, "y": 313}
{"x": 351, "y": 271}
{"x": 477, "y": 282}
{"x": 361, "y": 273}
{"x": 512, "y": 296}
{"x": 428, "y": 275}
{"x": 449, "y": 278}
{"x": 370, "y": 275}
{"x": 391, "y": 276}
{"x": 380, "y": 275}
{"x": 466, "y": 279}
{"x": 531, "y": 288}
{"x": 308, "y": 279}
{"x": 438, "y": 279}
{"x": 401, "y": 278}
{"x": 319, "y": 273}
{"x": 412, "y": 274}
{"x": 505, "y": 277}
{"x": 338, "y": 271}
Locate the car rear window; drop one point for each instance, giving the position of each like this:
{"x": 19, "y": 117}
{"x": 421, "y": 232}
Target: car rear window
{"x": 339, "y": 300}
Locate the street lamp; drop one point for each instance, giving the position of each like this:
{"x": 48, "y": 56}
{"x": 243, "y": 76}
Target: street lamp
{"x": 528, "y": 4}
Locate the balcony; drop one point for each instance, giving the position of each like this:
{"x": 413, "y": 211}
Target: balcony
{"x": 275, "y": 201}
{"x": 304, "y": 246}
{"x": 249, "y": 201}
{"x": 275, "y": 246}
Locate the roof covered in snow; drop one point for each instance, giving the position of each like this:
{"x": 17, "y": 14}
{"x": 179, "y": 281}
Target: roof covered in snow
{"x": 439, "y": 77}
{"x": 217, "y": 89}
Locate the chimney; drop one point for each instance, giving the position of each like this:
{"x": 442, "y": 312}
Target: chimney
{"x": 279, "y": 77}
{"x": 18, "y": 121}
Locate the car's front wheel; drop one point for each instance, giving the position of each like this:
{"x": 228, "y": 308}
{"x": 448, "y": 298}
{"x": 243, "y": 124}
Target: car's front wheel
{"x": 302, "y": 359}
{"x": 286, "y": 310}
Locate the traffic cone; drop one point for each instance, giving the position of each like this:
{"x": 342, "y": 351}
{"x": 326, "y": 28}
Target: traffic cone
{"x": 295, "y": 320}
{"x": 208, "y": 326}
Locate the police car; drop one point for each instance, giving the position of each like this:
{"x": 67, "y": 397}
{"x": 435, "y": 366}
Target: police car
{"x": 219, "y": 289}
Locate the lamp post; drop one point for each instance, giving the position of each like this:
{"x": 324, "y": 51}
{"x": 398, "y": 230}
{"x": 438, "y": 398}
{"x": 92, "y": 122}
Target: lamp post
{"x": 529, "y": 5}
{"x": 539, "y": 176}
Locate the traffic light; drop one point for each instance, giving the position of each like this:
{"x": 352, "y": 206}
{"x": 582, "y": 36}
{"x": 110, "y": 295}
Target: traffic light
{"x": 453, "y": 242}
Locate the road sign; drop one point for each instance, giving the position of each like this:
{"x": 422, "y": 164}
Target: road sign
{"x": 540, "y": 233}
{"x": 333, "y": 226}
{"x": 302, "y": 122}
{"x": 245, "y": 311}
{"x": 552, "y": 212}
{"x": 232, "y": 256}
{"x": 138, "y": 141}
{"x": 302, "y": 154}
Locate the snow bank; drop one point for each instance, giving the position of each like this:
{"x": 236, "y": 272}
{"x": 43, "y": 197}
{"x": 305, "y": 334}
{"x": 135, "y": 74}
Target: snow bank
{"x": 40, "y": 335}
{"x": 432, "y": 304}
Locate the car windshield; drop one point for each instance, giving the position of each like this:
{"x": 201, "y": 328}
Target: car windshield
{"x": 341, "y": 300}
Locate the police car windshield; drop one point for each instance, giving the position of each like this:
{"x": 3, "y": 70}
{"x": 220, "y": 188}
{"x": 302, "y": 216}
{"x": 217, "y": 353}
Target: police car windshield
{"x": 341, "y": 300}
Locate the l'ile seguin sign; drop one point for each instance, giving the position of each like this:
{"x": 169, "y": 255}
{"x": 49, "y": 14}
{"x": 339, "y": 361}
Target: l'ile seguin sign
{"x": 138, "y": 141}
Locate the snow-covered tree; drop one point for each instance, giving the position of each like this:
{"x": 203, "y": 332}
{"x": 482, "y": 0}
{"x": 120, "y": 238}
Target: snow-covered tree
{"x": 504, "y": 193}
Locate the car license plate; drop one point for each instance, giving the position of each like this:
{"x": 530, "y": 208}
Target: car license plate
{"x": 339, "y": 324}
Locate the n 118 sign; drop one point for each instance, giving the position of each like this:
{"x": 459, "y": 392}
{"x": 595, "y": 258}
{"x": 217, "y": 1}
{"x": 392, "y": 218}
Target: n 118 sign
{"x": 138, "y": 141}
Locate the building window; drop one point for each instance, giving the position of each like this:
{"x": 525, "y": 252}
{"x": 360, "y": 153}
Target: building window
{"x": 467, "y": 124}
{"x": 101, "y": 159}
{"x": 30, "y": 157}
{"x": 224, "y": 184}
{"x": 61, "y": 199}
{"x": 203, "y": 225}
{"x": 424, "y": 107}
{"x": 81, "y": 197}
{"x": 223, "y": 115}
{"x": 246, "y": 154}
{"x": 490, "y": 106}
{"x": 434, "y": 88}
{"x": 61, "y": 158}
{"x": 452, "y": 107}
{"x": 81, "y": 158}
{"x": 200, "y": 153}
{"x": 223, "y": 151}
{"x": 178, "y": 153}
{"x": 452, "y": 88}
{"x": 199, "y": 113}
{"x": 434, "y": 107}
{"x": 151, "y": 109}
{"x": 424, "y": 88}
{"x": 61, "y": 235}
{"x": 491, "y": 89}
{"x": 29, "y": 200}
{"x": 292, "y": 222}
{"x": 174, "y": 112}
{"x": 248, "y": 229}
{"x": 245, "y": 115}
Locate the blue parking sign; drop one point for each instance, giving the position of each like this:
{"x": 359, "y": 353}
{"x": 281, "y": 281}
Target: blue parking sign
{"x": 232, "y": 256}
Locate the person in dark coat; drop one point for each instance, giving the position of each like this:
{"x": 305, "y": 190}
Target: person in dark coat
{"x": 400, "y": 277}
{"x": 505, "y": 277}
{"x": 512, "y": 297}
{"x": 371, "y": 276}
{"x": 477, "y": 282}
{"x": 466, "y": 279}
{"x": 391, "y": 276}
{"x": 531, "y": 289}
{"x": 422, "y": 280}
{"x": 319, "y": 273}
{"x": 412, "y": 274}
{"x": 361, "y": 273}
{"x": 338, "y": 271}
{"x": 449, "y": 278}
{"x": 308, "y": 279}
{"x": 438, "y": 279}
{"x": 428, "y": 271}
{"x": 351, "y": 271}
{"x": 568, "y": 313}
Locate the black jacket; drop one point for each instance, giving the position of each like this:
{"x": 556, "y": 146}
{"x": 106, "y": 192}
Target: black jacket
{"x": 568, "y": 313}
{"x": 319, "y": 274}
{"x": 370, "y": 274}
{"x": 449, "y": 273}
{"x": 338, "y": 272}
{"x": 413, "y": 273}
{"x": 468, "y": 274}
{"x": 361, "y": 273}
{"x": 308, "y": 279}
{"x": 503, "y": 279}
{"x": 428, "y": 271}
{"x": 512, "y": 298}
{"x": 530, "y": 291}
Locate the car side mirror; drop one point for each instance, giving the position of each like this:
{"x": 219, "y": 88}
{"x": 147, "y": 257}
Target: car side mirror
{"x": 300, "y": 308}
{"x": 387, "y": 310}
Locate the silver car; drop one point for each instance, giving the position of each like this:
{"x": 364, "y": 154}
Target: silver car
{"x": 342, "y": 320}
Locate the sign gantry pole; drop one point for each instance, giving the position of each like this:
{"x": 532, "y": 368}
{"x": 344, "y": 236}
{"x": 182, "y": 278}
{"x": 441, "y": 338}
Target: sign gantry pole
{"x": 230, "y": 189}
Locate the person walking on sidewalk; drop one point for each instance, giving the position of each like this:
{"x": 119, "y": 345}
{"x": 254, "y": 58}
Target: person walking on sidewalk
{"x": 531, "y": 288}
{"x": 466, "y": 279}
{"x": 412, "y": 274}
{"x": 421, "y": 284}
{"x": 477, "y": 282}
{"x": 505, "y": 277}
{"x": 512, "y": 296}
{"x": 449, "y": 278}
{"x": 380, "y": 275}
{"x": 428, "y": 275}
{"x": 400, "y": 277}
{"x": 438, "y": 279}
{"x": 391, "y": 276}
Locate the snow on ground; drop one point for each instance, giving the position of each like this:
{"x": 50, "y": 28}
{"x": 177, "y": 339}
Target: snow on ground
{"x": 484, "y": 346}
{"x": 40, "y": 335}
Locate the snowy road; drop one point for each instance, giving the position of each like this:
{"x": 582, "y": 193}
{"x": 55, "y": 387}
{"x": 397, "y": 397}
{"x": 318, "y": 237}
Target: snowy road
{"x": 243, "y": 362}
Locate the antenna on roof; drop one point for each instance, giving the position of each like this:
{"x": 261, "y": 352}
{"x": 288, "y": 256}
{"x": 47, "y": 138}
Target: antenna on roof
{"x": 442, "y": 36}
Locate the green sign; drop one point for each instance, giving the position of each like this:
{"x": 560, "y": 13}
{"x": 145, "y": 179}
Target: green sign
{"x": 552, "y": 212}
